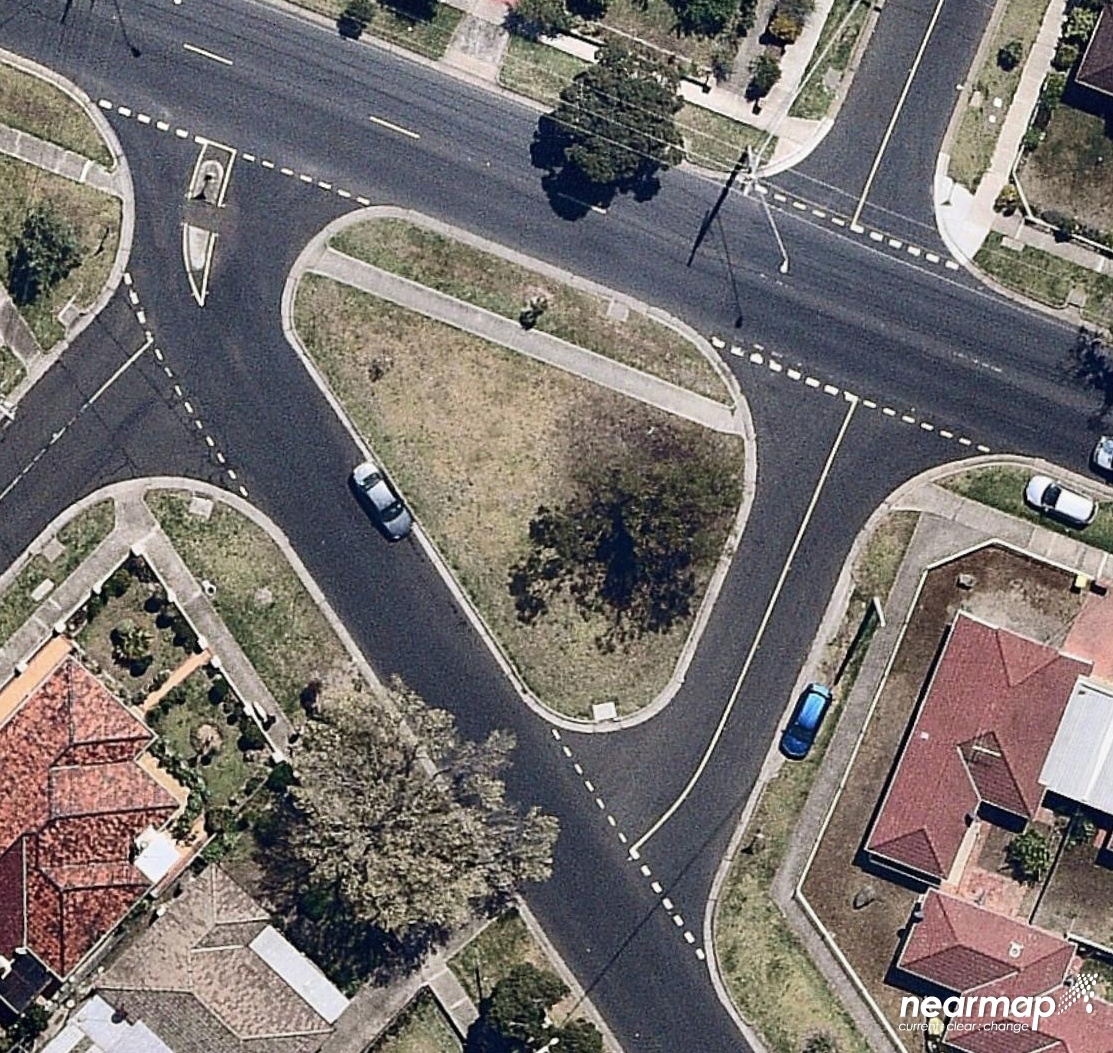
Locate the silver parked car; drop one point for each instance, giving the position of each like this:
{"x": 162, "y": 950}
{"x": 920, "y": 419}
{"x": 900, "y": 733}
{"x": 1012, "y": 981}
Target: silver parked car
{"x": 1048, "y": 496}
{"x": 1102, "y": 456}
{"x": 381, "y": 501}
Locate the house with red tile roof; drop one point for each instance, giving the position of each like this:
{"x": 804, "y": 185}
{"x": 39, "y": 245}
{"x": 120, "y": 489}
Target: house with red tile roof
{"x": 985, "y": 725}
{"x": 1095, "y": 71}
{"x": 960, "y": 948}
{"x": 75, "y": 800}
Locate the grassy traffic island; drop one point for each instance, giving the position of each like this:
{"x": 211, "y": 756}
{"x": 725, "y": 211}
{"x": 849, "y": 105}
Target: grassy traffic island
{"x": 584, "y": 526}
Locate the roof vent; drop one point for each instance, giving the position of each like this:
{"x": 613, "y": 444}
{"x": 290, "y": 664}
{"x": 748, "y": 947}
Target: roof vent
{"x": 917, "y": 913}
{"x": 1015, "y": 949}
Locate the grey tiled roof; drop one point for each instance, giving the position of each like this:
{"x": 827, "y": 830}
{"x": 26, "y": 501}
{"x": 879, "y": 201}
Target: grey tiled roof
{"x": 195, "y": 981}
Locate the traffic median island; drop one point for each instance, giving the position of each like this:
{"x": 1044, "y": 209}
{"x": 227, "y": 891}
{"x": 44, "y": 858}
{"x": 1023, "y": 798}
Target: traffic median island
{"x": 507, "y": 287}
{"x": 496, "y": 452}
{"x": 767, "y": 970}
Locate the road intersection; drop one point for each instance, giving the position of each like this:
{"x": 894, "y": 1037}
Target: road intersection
{"x": 908, "y": 359}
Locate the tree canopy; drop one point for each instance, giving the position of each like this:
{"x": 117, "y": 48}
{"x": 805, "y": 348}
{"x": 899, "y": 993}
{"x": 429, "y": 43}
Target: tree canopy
{"x": 705, "y": 18}
{"x": 534, "y": 19}
{"x": 628, "y": 545}
{"x": 45, "y": 251}
{"x": 614, "y": 125}
{"x": 401, "y": 824}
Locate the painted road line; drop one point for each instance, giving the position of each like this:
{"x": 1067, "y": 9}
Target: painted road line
{"x": 181, "y": 133}
{"x": 951, "y": 265}
{"x": 162, "y": 126}
{"x": 383, "y": 123}
{"x": 724, "y": 717}
{"x": 208, "y": 54}
{"x": 932, "y": 257}
{"x": 897, "y": 110}
{"x": 913, "y": 251}
{"x": 267, "y": 164}
{"x": 123, "y": 111}
{"x": 364, "y": 201}
{"x": 104, "y": 104}
{"x": 775, "y": 366}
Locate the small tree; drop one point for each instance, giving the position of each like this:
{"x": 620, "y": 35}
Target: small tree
{"x": 579, "y": 1036}
{"x": 45, "y": 251}
{"x": 1008, "y": 58}
{"x": 535, "y": 307}
{"x": 1093, "y": 364}
{"x": 130, "y": 643}
{"x": 518, "y": 1007}
{"x": 1066, "y": 55}
{"x": 1008, "y": 201}
{"x": 784, "y": 27}
{"x": 705, "y": 18}
{"x": 30, "y": 1025}
{"x": 1029, "y": 855}
{"x": 592, "y": 10}
{"x": 355, "y": 18}
{"x": 765, "y": 72}
{"x": 534, "y": 19}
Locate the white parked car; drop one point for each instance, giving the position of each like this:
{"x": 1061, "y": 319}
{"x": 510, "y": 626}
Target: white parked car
{"x": 1048, "y": 496}
{"x": 1102, "y": 457}
{"x": 381, "y": 500}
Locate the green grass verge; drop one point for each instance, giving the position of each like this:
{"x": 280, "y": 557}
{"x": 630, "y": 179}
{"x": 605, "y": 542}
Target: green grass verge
{"x": 426, "y": 36}
{"x": 11, "y": 370}
{"x": 79, "y": 537}
{"x": 95, "y": 217}
{"x": 972, "y": 148}
{"x": 770, "y": 975}
{"x": 501, "y": 945}
{"x": 538, "y": 71}
{"x": 654, "y": 22}
{"x": 287, "y": 639}
{"x": 813, "y": 102}
{"x": 420, "y": 1028}
{"x": 1003, "y": 488}
{"x": 715, "y": 141}
{"x": 1047, "y": 278}
{"x": 503, "y": 287}
{"x": 32, "y": 105}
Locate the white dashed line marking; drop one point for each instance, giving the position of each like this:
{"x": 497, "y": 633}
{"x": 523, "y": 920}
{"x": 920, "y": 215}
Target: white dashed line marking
{"x": 247, "y": 156}
{"x": 343, "y": 193}
{"x": 946, "y": 434}
{"x": 982, "y": 449}
{"x": 364, "y": 201}
{"x": 162, "y": 126}
{"x": 838, "y": 221}
{"x": 566, "y": 751}
{"x": 578, "y": 769}
{"x": 646, "y": 872}
{"x": 895, "y": 244}
{"x": 209, "y": 441}
{"x": 755, "y": 357}
{"x": 913, "y": 251}
{"x": 830, "y": 389}
{"x": 142, "y": 118}
{"x": 198, "y": 425}
{"x": 267, "y": 164}
{"x": 800, "y": 205}
{"x": 951, "y": 265}
{"x": 599, "y": 802}
{"x": 656, "y": 886}
{"x": 819, "y": 213}
{"x": 926, "y": 426}
{"x": 811, "y": 382}
{"x": 857, "y": 228}
{"x": 589, "y": 786}
{"x": 775, "y": 366}
{"x": 243, "y": 491}
{"x": 699, "y": 954}
{"x": 779, "y": 197}
{"x": 889, "y": 412}
{"x": 142, "y": 316}
{"x": 667, "y": 903}
{"x": 931, "y": 257}
{"x": 104, "y": 104}
{"x": 323, "y": 185}
{"x": 220, "y": 458}
{"x": 287, "y": 171}
{"x": 181, "y": 133}
{"x": 794, "y": 374}
{"x": 611, "y": 821}
{"x": 123, "y": 111}
{"x": 678, "y": 921}
{"x": 305, "y": 178}
{"x": 876, "y": 235}
{"x": 623, "y": 838}
{"x": 905, "y": 418}
{"x": 231, "y": 475}
{"x": 963, "y": 441}
{"x": 188, "y": 406}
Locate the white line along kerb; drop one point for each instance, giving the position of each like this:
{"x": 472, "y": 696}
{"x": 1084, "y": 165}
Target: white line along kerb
{"x": 383, "y": 123}
{"x": 729, "y": 708}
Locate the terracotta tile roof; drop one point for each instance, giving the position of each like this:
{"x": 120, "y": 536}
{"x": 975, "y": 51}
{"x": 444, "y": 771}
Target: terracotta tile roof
{"x": 981, "y": 735}
{"x": 1096, "y": 68}
{"x": 965, "y": 948}
{"x": 193, "y": 976}
{"x": 74, "y": 802}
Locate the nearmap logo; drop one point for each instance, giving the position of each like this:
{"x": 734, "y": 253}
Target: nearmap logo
{"x": 995, "y": 1013}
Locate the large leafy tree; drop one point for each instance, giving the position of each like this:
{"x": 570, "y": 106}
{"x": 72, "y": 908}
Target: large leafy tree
{"x": 402, "y": 825}
{"x": 705, "y": 18}
{"x": 45, "y": 251}
{"x": 514, "y": 1017}
{"x": 615, "y": 122}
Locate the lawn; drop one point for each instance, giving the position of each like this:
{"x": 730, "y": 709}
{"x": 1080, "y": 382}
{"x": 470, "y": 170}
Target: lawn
{"x": 1047, "y": 278}
{"x": 538, "y": 71}
{"x": 715, "y": 141}
{"x": 478, "y": 438}
{"x": 1003, "y": 488}
{"x": 768, "y": 972}
{"x": 973, "y": 145}
{"x": 1072, "y": 169}
{"x": 259, "y": 597}
{"x": 185, "y": 710}
{"x": 94, "y": 216}
{"x": 79, "y": 537}
{"x": 503, "y": 287}
{"x": 813, "y": 102}
{"x": 654, "y": 21}
{"x": 426, "y": 36}
{"x": 420, "y": 1028}
{"x": 32, "y": 105}
{"x": 11, "y": 370}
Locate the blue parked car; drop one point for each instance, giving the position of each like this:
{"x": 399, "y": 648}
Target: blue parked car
{"x": 806, "y": 718}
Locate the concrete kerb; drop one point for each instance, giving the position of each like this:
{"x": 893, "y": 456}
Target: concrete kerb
{"x": 124, "y": 190}
{"x": 304, "y": 263}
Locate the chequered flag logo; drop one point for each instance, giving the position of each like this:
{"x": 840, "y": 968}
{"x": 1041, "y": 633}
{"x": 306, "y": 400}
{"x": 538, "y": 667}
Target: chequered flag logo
{"x": 1083, "y": 988}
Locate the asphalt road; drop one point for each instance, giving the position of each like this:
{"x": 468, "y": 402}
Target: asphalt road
{"x": 858, "y": 316}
